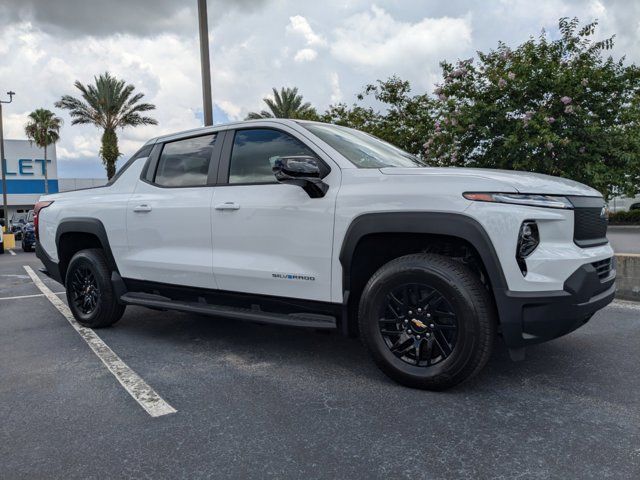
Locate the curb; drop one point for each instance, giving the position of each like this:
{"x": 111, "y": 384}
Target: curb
{"x": 628, "y": 276}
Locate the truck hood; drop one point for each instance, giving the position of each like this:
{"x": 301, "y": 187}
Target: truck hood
{"x": 523, "y": 182}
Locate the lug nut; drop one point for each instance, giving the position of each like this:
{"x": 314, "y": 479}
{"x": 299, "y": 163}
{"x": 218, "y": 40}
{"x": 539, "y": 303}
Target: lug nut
{"x": 406, "y": 321}
{"x": 428, "y": 315}
{"x": 410, "y": 312}
{"x": 419, "y": 310}
{"x": 431, "y": 326}
{"x": 428, "y": 334}
{"x": 408, "y": 332}
{"x": 418, "y": 337}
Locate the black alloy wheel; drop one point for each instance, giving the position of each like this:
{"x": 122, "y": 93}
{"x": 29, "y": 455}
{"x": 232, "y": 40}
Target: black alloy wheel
{"x": 418, "y": 324}
{"x": 90, "y": 293}
{"x": 84, "y": 290}
{"x": 427, "y": 320}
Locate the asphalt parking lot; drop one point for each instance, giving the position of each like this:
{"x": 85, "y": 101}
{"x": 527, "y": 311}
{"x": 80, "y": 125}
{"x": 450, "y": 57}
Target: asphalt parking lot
{"x": 267, "y": 402}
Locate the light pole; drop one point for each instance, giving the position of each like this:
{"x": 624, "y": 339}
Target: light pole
{"x": 3, "y": 165}
{"x": 203, "y": 25}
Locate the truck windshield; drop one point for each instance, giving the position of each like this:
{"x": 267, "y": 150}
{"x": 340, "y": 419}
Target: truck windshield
{"x": 362, "y": 149}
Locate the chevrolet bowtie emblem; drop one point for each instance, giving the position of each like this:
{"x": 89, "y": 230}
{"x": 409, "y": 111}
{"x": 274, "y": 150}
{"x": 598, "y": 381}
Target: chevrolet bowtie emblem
{"x": 418, "y": 323}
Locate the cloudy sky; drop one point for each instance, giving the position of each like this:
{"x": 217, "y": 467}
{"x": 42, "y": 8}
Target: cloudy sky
{"x": 328, "y": 48}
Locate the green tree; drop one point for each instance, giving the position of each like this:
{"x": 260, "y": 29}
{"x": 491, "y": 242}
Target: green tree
{"x": 559, "y": 107}
{"x": 108, "y": 104}
{"x": 286, "y": 103}
{"x": 43, "y": 129}
{"x": 404, "y": 120}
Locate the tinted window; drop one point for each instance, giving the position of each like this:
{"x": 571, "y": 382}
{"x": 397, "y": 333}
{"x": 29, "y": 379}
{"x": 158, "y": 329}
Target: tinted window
{"x": 255, "y": 152}
{"x": 144, "y": 152}
{"x": 185, "y": 163}
{"x": 362, "y": 149}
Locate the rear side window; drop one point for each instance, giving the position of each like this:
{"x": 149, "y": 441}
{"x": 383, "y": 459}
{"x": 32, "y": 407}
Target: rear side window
{"x": 144, "y": 152}
{"x": 185, "y": 163}
{"x": 255, "y": 152}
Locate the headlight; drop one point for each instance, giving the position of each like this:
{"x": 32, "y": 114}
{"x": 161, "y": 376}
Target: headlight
{"x": 548, "y": 201}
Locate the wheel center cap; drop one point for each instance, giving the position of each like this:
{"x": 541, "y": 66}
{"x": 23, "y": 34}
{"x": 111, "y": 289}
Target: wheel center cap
{"x": 418, "y": 325}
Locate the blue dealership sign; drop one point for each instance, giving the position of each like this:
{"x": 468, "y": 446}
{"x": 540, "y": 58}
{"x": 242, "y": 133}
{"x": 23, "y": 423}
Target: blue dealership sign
{"x": 25, "y": 169}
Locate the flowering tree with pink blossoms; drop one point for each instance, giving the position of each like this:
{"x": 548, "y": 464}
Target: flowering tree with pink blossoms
{"x": 560, "y": 107}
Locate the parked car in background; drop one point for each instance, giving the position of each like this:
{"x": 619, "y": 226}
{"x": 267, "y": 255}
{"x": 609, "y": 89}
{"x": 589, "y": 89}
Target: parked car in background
{"x": 16, "y": 229}
{"x": 18, "y": 221}
{"x": 28, "y": 238}
{"x": 1, "y": 239}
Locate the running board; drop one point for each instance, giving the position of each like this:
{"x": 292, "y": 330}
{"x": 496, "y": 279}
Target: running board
{"x": 306, "y": 320}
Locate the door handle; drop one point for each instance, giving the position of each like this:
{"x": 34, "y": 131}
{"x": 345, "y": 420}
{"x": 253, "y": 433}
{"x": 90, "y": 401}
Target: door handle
{"x": 228, "y": 206}
{"x": 142, "y": 208}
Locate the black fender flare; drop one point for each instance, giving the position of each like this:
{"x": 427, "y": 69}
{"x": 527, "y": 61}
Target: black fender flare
{"x": 435, "y": 223}
{"x": 91, "y": 226}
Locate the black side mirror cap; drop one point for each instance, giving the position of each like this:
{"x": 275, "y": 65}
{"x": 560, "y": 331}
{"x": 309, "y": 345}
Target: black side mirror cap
{"x": 303, "y": 171}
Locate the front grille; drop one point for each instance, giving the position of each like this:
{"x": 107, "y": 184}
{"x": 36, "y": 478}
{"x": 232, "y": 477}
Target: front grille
{"x": 590, "y": 222}
{"x": 603, "y": 267}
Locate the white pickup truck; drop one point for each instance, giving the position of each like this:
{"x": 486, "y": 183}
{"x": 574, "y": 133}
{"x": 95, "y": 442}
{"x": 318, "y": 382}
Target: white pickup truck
{"x": 314, "y": 225}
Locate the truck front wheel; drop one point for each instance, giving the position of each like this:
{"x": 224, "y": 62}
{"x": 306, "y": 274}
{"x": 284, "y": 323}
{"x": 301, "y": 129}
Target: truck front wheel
{"x": 427, "y": 321}
{"x": 89, "y": 291}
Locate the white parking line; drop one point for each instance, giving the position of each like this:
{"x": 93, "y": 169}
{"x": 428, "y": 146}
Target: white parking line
{"x": 12, "y": 252}
{"x": 29, "y": 296}
{"x": 141, "y": 392}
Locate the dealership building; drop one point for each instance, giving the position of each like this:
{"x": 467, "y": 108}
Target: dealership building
{"x": 24, "y": 173}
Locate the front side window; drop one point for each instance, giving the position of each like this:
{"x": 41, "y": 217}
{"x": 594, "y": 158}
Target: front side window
{"x": 362, "y": 149}
{"x": 185, "y": 163}
{"x": 255, "y": 151}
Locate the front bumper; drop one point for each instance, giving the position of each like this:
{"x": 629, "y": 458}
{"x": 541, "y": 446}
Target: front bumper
{"x": 527, "y": 318}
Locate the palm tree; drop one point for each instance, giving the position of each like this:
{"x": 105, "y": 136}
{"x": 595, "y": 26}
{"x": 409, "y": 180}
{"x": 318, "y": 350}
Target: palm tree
{"x": 286, "y": 103}
{"x": 43, "y": 129}
{"x": 108, "y": 104}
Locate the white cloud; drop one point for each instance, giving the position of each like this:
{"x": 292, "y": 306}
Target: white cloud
{"x": 41, "y": 69}
{"x": 376, "y": 39}
{"x": 82, "y": 146}
{"x": 231, "y": 109}
{"x": 255, "y": 49}
{"x": 305, "y": 55}
{"x": 299, "y": 24}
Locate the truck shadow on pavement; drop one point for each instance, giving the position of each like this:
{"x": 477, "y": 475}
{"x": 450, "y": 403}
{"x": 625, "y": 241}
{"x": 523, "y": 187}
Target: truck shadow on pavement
{"x": 212, "y": 342}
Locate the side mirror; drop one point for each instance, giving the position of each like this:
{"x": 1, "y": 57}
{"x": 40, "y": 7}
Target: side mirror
{"x": 303, "y": 171}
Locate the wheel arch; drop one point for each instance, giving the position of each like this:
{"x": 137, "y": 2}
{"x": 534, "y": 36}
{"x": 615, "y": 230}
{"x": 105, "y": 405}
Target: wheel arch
{"x": 433, "y": 224}
{"x": 83, "y": 232}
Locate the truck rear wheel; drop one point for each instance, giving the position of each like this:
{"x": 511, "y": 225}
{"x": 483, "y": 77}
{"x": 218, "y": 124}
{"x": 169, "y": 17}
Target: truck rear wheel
{"x": 427, "y": 321}
{"x": 89, "y": 291}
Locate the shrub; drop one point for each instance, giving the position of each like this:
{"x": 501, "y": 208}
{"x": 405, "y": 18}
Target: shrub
{"x": 632, "y": 217}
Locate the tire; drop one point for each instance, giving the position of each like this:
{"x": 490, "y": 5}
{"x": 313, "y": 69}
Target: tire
{"x": 25, "y": 248}
{"x": 89, "y": 291}
{"x": 445, "y": 310}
